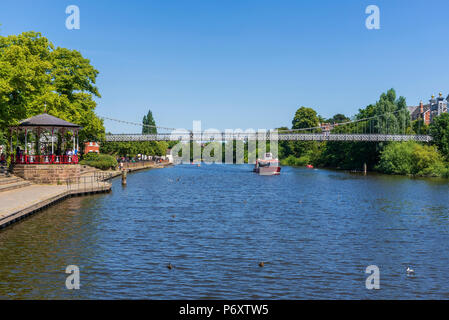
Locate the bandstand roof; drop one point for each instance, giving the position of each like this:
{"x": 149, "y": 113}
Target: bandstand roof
{"x": 46, "y": 120}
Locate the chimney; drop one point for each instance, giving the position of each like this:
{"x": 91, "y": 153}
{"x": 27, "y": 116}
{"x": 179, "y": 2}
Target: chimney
{"x": 421, "y": 107}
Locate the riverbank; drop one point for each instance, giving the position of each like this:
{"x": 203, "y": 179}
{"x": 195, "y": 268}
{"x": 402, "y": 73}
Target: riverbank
{"x": 404, "y": 159}
{"x": 20, "y": 203}
{"x": 444, "y": 176}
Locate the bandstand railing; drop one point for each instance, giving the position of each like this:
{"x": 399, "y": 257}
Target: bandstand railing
{"x": 46, "y": 159}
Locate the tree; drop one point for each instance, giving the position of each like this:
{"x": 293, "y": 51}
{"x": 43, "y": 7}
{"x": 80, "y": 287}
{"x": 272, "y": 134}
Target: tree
{"x": 149, "y": 125}
{"x": 35, "y": 76}
{"x": 285, "y": 146}
{"x": 338, "y": 118}
{"x": 392, "y": 114}
{"x": 3, "y": 140}
{"x": 305, "y": 118}
{"x": 419, "y": 127}
{"x": 439, "y": 130}
{"x": 388, "y": 115}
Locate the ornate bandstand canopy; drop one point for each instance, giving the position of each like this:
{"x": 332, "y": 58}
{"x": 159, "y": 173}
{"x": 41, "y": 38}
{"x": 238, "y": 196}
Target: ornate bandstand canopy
{"x": 46, "y": 121}
{"x": 41, "y": 124}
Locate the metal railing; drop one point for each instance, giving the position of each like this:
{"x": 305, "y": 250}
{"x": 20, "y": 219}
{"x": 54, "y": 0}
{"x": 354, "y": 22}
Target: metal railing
{"x": 45, "y": 159}
{"x": 98, "y": 182}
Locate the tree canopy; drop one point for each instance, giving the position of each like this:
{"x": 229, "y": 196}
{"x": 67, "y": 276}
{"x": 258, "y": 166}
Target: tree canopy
{"x": 338, "y": 118}
{"x": 305, "y": 118}
{"x": 36, "y": 77}
{"x": 149, "y": 124}
{"x": 439, "y": 130}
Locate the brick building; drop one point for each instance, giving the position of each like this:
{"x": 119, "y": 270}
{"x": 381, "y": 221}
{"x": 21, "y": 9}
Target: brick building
{"x": 428, "y": 112}
{"x": 91, "y": 147}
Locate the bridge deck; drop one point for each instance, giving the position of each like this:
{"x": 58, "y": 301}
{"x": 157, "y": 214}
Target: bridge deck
{"x": 267, "y": 136}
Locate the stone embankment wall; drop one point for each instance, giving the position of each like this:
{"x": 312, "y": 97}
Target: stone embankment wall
{"x": 47, "y": 174}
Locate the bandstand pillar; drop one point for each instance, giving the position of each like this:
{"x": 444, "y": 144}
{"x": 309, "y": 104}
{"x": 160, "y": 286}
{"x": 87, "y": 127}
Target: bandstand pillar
{"x": 26, "y": 141}
{"x": 52, "y": 145}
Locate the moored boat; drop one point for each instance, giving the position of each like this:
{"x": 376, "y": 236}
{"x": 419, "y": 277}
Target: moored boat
{"x": 267, "y": 166}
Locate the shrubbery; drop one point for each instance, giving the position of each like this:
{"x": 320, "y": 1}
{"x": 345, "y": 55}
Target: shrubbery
{"x": 296, "y": 162}
{"x": 100, "y": 161}
{"x": 405, "y": 158}
{"x": 412, "y": 158}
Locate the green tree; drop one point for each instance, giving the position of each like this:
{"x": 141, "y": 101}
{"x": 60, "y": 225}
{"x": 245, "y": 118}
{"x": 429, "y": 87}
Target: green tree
{"x": 419, "y": 127}
{"x": 285, "y": 146}
{"x": 388, "y": 115}
{"x": 149, "y": 125}
{"x": 36, "y": 77}
{"x": 305, "y": 118}
{"x": 392, "y": 114}
{"x": 439, "y": 130}
{"x": 338, "y": 118}
{"x": 3, "y": 140}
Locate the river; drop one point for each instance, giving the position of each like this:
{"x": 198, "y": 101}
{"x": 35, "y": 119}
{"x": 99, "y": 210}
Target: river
{"x": 315, "y": 230}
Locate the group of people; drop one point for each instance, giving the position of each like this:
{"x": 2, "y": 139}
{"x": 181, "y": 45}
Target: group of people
{"x": 135, "y": 159}
{"x": 68, "y": 152}
{"x": 122, "y": 160}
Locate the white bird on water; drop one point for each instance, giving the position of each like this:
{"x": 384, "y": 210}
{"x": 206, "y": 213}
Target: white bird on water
{"x": 410, "y": 271}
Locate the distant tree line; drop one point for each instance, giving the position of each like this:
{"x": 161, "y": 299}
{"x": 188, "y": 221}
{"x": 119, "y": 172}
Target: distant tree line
{"x": 132, "y": 149}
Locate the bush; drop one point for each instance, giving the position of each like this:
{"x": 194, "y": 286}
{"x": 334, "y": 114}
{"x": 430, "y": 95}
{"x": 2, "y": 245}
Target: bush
{"x": 91, "y": 156}
{"x": 99, "y": 161}
{"x": 296, "y": 162}
{"x": 412, "y": 158}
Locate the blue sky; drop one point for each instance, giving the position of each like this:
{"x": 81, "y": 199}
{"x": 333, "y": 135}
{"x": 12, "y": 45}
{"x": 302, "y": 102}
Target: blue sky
{"x": 246, "y": 64}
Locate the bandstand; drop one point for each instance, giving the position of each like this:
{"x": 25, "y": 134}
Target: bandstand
{"x": 55, "y": 165}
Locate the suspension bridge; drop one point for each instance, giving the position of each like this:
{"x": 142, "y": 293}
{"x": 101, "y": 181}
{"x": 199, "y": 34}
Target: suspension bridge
{"x": 392, "y": 126}
{"x": 268, "y": 136}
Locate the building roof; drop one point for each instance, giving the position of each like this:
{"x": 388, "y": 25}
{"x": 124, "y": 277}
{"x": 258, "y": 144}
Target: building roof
{"x": 416, "y": 110}
{"x": 46, "y": 120}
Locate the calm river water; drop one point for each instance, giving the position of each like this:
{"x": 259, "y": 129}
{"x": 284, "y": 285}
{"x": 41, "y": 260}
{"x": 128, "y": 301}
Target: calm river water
{"x": 316, "y": 231}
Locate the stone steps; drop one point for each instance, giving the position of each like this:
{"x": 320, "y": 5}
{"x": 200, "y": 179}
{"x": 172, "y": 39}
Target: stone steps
{"x": 7, "y": 180}
{"x": 10, "y": 182}
{"x": 14, "y": 185}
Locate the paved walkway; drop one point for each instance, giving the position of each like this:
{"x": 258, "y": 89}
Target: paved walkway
{"x": 19, "y": 203}
{"x": 19, "y": 199}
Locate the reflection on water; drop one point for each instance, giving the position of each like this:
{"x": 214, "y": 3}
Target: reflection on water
{"x": 316, "y": 230}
